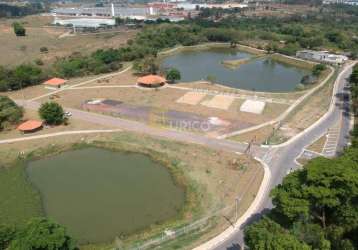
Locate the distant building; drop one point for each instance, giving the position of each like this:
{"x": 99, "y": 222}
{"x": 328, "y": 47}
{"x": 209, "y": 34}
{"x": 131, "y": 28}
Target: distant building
{"x": 110, "y": 11}
{"x": 321, "y": 56}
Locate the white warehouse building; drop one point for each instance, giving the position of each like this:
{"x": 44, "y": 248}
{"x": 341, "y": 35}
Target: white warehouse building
{"x": 321, "y": 56}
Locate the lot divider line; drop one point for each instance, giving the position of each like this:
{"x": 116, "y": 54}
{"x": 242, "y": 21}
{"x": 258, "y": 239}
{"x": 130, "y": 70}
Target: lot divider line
{"x": 104, "y": 86}
{"x": 235, "y": 95}
{"x": 74, "y": 132}
{"x": 81, "y": 83}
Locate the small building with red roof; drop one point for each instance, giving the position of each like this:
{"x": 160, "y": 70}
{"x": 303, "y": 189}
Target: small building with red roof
{"x": 151, "y": 81}
{"x": 30, "y": 126}
{"x": 55, "y": 82}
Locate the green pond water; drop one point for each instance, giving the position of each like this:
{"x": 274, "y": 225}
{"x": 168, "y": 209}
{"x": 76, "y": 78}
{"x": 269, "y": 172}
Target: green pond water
{"x": 100, "y": 194}
{"x": 262, "y": 74}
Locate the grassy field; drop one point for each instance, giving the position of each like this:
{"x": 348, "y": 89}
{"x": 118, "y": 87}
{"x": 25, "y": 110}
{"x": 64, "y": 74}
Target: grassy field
{"x": 19, "y": 201}
{"x": 217, "y": 177}
{"x": 16, "y": 50}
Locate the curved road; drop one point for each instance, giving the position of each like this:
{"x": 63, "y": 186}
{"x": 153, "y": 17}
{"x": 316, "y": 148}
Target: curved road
{"x": 281, "y": 159}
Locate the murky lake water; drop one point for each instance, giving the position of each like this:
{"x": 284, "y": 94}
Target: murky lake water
{"x": 262, "y": 74}
{"x": 99, "y": 194}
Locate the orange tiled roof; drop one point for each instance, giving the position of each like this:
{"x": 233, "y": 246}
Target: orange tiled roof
{"x": 29, "y": 125}
{"x": 151, "y": 79}
{"x": 55, "y": 81}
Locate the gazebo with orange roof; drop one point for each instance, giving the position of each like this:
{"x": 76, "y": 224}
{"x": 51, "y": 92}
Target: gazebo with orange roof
{"x": 30, "y": 126}
{"x": 55, "y": 82}
{"x": 151, "y": 81}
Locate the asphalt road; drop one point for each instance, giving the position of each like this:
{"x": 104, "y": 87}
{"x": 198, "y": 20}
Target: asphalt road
{"x": 281, "y": 160}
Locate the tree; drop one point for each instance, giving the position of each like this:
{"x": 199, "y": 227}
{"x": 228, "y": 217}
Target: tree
{"x": 318, "y": 68}
{"x": 173, "y": 75}
{"x": 52, "y": 113}
{"x": 40, "y": 234}
{"x": 19, "y": 29}
{"x": 7, "y": 234}
{"x": 10, "y": 113}
{"x": 268, "y": 235}
{"x": 147, "y": 65}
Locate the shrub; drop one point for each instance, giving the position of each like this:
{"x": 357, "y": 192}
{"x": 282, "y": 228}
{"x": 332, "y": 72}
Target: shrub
{"x": 19, "y": 29}
{"x": 39, "y": 62}
{"x": 10, "y": 112}
{"x": 173, "y": 75}
{"x": 52, "y": 113}
{"x": 318, "y": 68}
{"x": 40, "y": 233}
{"x": 43, "y": 49}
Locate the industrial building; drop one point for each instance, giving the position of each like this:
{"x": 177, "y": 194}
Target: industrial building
{"x": 322, "y": 56}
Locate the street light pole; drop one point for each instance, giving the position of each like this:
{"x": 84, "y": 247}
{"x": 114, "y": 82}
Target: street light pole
{"x": 237, "y": 200}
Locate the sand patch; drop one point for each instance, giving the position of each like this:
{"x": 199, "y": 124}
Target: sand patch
{"x": 251, "y": 106}
{"x": 219, "y": 102}
{"x": 192, "y": 98}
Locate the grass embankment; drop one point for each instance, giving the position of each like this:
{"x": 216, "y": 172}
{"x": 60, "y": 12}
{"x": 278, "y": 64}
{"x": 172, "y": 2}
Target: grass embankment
{"x": 292, "y": 61}
{"x": 213, "y": 178}
{"x": 234, "y": 64}
{"x": 19, "y": 200}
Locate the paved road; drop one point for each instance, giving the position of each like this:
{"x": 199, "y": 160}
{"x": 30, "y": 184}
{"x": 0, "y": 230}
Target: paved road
{"x": 281, "y": 160}
{"x": 153, "y": 130}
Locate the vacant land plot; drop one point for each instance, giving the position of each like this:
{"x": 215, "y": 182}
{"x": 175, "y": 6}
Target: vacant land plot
{"x": 17, "y": 50}
{"x": 312, "y": 108}
{"x": 219, "y": 102}
{"x": 192, "y": 98}
{"x": 165, "y": 100}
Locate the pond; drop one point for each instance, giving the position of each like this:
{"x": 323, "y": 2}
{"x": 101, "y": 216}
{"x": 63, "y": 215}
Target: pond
{"x": 259, "y": 74}
{"x": 99, "y": 194}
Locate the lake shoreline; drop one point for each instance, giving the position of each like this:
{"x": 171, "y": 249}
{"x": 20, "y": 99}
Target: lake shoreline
{"x": 177, "y": 176}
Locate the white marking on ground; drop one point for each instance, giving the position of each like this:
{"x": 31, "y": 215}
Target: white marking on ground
{"x": 252, "y": 106}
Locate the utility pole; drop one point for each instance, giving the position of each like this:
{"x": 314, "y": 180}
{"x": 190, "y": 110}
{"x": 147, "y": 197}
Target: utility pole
{"x": 237, "y": 200}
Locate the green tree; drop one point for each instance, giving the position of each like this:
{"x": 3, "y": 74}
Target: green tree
{"x": 7, "y": 234}
{"x": 19, "y": 29}
{"x": 10, "y": 113}
{"x": 173, "y": 75}
{"x": 52, "y": 113}
{"x": 268, "y": 235}
{"x": 147, "y": 65}
{"x": 40, "y": 234}
{"x": 318, "y": 69}
{"x": 329, "y": 200}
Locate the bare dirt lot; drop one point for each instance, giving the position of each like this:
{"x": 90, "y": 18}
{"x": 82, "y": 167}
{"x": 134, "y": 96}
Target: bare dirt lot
{"x": 165, "y": 101}
{"x": 17, "y": 50}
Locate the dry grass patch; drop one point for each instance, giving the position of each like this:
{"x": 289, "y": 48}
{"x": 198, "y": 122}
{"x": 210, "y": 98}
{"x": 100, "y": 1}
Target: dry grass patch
{"x": 72, "y": 125}
{"x": 258, "y": 136}
{"x": 162, "y": 99}
{"x": 318, "y": 145}
{"x": 192, "y": 98}
{"x": 17, "y": 50}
